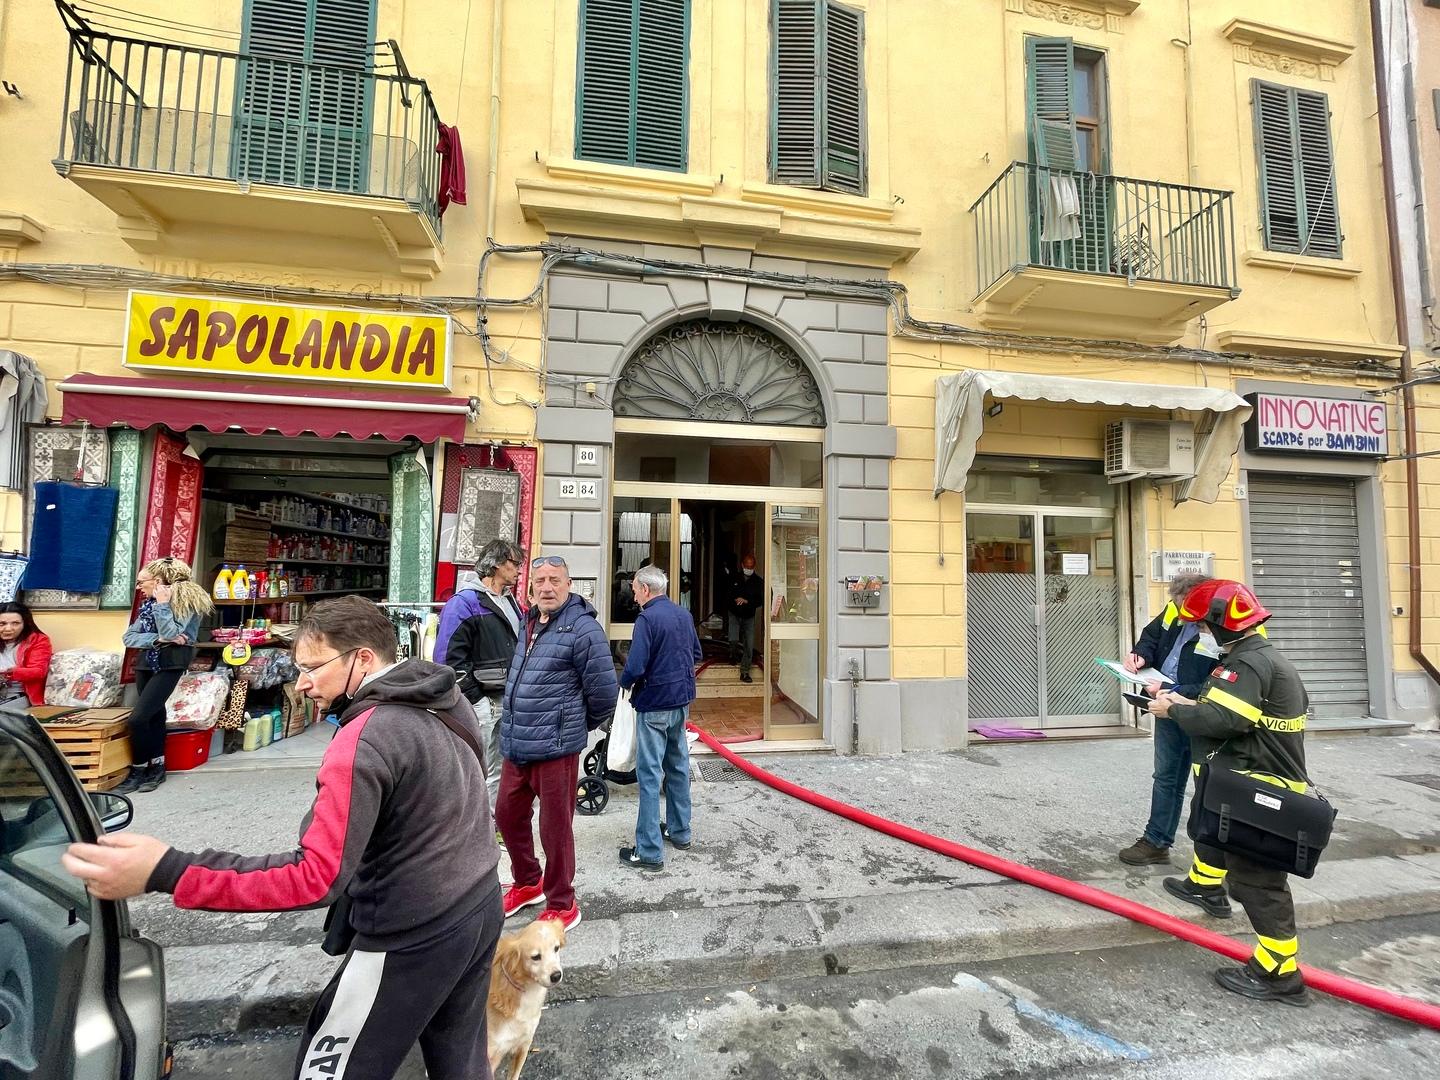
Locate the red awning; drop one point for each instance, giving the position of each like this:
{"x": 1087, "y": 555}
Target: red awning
{"x": 257, "y": 408}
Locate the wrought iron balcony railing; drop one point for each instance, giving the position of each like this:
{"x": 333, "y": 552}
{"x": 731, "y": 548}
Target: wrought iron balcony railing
{"x": 166, "y": 108}
{"x": 1033, "y": 216}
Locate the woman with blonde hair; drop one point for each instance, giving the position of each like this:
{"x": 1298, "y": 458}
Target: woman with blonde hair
{"x": 165, "y": 631}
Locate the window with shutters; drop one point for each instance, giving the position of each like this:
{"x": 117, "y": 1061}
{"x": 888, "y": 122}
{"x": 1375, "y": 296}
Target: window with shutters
{"x": 817, "y": 68}
{"x": 303, "y": 94}
{"x": 1066, "y": 98}
{"x": 1298, "y": 212}
{"x": 632, "y": 86}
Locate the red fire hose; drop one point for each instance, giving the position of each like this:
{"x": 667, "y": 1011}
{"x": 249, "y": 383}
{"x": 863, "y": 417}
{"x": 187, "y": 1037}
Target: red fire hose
{"x": 1383, "y": 1000}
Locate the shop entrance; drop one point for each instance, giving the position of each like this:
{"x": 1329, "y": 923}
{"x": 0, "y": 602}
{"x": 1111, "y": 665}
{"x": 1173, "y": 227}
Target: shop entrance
{"x": 700, "y": 533}
{"x": 1044, "y": 599}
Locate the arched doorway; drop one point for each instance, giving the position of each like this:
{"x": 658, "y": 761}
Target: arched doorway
{"x": 719, "y": 443}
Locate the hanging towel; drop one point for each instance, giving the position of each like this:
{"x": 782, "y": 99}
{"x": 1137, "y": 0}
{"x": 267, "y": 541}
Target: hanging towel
{"x": 70, "y": 536}
{"x": 452, "y": 167}
{"x": 12, "y": 569}
{"x": 1062, "y": 210}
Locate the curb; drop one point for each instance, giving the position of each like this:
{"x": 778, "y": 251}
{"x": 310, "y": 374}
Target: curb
{"x": 256, "y": 985}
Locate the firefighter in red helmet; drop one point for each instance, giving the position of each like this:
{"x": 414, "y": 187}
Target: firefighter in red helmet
{"x": 1254, "y": 705}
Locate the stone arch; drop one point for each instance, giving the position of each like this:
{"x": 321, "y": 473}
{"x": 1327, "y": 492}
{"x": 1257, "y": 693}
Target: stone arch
{"x": 706, "y": 370}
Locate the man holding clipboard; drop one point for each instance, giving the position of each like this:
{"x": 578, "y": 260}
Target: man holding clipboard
{"x": 1168, "y": 645}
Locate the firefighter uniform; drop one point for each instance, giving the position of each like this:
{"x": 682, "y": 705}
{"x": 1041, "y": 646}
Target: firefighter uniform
{"x": 1254, "y": 705}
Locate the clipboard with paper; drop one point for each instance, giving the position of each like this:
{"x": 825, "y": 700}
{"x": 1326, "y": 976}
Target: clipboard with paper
{"x": 1143, "y": 677}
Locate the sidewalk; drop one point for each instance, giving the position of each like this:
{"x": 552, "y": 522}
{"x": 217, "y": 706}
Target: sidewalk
{"x": 776, "y": 888}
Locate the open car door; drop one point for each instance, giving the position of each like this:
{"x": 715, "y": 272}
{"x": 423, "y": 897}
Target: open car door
{"x": 81, "y": 996}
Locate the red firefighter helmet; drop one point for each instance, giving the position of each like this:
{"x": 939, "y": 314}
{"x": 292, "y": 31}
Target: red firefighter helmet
{"x": 1229, "y": 605}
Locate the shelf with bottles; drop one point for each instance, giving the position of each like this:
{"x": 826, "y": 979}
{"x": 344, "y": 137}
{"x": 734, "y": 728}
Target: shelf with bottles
{"x": 263, "y": 601}
{"x": 325, "y": 515}
{"x": 277, "y": 582}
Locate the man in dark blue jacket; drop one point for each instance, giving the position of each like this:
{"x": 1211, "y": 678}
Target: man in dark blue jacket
{"x": 1169, "y": 645}
{"x": 660, "y": 673}
{"x": 561, "y": 686}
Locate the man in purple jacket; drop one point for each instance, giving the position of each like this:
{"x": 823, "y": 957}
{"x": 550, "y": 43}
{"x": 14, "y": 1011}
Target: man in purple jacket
{"x": 660, "y": 673}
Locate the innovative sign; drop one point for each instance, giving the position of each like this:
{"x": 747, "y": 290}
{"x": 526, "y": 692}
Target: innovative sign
{"x": 1317, "y": 425}
{"x": 209, "y": 335}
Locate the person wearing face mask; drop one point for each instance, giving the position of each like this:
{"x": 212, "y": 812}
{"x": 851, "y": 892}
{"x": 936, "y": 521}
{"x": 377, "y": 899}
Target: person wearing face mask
{"x": 1254, "y": 706}
{"x": 746, "y": 597}
{"x": 1168, "y": 644}
{"x": 399, "y": 839}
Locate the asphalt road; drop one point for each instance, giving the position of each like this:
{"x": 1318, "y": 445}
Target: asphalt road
{"x": 1151, "y": 1011}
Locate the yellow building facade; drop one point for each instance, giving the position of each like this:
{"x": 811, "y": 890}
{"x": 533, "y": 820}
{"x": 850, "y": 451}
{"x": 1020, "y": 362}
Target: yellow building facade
{"x": 972, "y": 322}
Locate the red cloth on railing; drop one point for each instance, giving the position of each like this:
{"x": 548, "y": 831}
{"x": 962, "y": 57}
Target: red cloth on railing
{"x": 452, "y": 167}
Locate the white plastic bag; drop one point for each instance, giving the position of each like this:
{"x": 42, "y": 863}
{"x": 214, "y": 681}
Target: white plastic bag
{"x": 197, "y": 700}
{"x": 620, "y": 751}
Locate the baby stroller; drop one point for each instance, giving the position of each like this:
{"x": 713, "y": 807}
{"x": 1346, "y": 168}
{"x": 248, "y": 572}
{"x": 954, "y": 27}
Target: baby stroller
{"x": 592, "y": 793}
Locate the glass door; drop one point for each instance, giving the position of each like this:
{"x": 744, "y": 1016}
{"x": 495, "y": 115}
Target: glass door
{"x": 1044, "y": 601}
{"x": 792, "y": 628}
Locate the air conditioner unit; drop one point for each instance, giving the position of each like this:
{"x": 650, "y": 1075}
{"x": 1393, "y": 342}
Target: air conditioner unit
{"x": 1158, "y": 449}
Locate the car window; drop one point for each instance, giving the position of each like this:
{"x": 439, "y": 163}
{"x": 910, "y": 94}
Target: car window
{"x": 33, "y": 834}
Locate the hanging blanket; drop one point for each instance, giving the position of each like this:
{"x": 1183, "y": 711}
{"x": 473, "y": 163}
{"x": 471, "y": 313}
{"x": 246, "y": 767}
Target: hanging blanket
{"x": 70, "y": 536}
{"x": 12, "y": 569}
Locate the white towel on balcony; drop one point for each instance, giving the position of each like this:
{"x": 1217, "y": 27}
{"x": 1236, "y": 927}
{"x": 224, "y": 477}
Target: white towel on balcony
{"x": 1062, "y": 210}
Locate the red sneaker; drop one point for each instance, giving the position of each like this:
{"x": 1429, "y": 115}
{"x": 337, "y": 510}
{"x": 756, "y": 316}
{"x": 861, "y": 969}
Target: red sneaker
{"x": 522, "y": 896}
{"x": 568, "y": 919}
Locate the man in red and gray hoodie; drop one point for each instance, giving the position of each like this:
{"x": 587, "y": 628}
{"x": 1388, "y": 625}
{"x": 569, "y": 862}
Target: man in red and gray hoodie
{"x": 400, "y": 834}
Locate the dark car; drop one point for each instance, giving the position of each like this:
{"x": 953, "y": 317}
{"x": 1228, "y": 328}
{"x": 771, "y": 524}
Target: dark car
{"x": 82, "y": 996}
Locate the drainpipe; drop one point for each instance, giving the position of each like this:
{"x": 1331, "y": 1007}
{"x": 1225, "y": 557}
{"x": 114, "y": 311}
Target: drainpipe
{"x": 1402, "y": 330}
{"x": 492, "y": 193}
{"x": 854, "y": 706}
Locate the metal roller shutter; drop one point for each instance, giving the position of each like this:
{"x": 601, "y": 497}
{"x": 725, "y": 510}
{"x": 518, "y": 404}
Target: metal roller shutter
{"x": 1305, "y": 562}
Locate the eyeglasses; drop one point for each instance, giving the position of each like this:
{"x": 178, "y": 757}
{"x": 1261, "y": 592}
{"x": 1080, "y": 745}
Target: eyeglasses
{"x": 547, "y": 560}
{"x": 308, "y": 671}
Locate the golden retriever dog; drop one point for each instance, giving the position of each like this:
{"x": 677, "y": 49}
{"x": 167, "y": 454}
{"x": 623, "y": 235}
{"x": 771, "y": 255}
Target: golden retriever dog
{"x": 526, "y": 965}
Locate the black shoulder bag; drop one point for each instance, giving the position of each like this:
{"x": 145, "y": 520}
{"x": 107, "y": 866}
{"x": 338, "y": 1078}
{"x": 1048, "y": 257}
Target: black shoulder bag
{"x": 339, "y": 934}
{"x": 1259, "y": 816}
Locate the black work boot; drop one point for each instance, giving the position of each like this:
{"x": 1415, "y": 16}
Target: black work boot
{"x": 132, "y": 781}
{"x": 1210, "y": 897}
{"x": 154, "y": 777}
{"x": 1249, "y": 981}
{"x": 1144, "y": 853}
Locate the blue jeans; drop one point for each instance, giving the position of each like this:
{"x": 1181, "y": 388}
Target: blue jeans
{"x": 661, "y": 751}
{"x": 1172, "y": 769}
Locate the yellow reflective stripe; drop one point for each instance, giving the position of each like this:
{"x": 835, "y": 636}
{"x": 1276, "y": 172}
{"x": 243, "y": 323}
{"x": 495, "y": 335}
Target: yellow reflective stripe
{"x": 1195, "y": 768}
{"x": 1171, "y": 613}
{"x": 1277, "y": 955}
{"x": 1278, "y": 781}
{"x": 1295, "y": 723}
{"x": 1206, "y": 868}
{"x": 1229, "y": 701}
{"x": 1262, "y": 631}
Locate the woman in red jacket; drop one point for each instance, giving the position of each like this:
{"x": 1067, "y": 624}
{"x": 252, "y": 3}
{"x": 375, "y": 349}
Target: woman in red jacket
{"x": 24, "y": 657}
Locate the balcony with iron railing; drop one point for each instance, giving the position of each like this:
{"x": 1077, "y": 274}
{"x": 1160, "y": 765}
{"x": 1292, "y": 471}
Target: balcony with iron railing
{"x": 1082, "y": 254}
{"x": 199, "y": 149}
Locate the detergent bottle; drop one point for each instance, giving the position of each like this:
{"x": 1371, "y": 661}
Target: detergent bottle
{"x": 240, "y": 584}
{"x": 222, "y": 583}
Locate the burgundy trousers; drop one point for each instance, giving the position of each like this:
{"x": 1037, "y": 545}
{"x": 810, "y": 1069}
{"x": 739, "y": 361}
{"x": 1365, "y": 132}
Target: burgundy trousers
{"x": 553, "y": 783}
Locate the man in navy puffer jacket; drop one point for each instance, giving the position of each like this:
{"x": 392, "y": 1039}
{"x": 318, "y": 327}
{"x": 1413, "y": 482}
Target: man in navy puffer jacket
{"x": 661, "y": 671}
{"x": 561, "y": 687}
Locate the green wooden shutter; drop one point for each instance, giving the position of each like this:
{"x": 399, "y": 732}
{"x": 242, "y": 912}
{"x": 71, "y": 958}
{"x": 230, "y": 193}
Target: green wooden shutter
{"x": 661, "y": 88}
{"x": 1317, "y": 174}
{"x": 298, "y": 126}
{"x": 843, "y": 99}
{"x": 632, "y": 102}
{"x": 1050, "y": 72}
{"x": 795, "y": 93}
{"x": 1297, "y": 170}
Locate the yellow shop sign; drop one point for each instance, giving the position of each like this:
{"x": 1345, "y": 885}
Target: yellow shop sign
{"x": 208, "y": 335}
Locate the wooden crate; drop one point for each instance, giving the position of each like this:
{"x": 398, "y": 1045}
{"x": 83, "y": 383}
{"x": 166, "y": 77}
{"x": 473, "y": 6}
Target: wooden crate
{"x": 98, "y": 751}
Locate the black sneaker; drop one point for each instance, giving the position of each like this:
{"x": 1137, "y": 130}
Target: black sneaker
{"x": 665, "y": 832}
{"x": 154, "y": 777}
{"x": 629, "y": 858}
{"x": 1248, "y": 982}
{"x": 746, "y": 677}
{"x": 1144, "y": 853}
{"x": 132, "y": 781}
{"x": 1210, "y": 897}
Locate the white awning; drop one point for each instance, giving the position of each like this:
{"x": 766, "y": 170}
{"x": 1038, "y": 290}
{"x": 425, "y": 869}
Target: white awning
{"x": 960, "y": 417}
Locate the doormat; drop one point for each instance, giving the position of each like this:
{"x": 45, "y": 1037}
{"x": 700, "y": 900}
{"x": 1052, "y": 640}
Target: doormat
{"x": 719, "y": 772}
{"x": 996, "y": 731}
